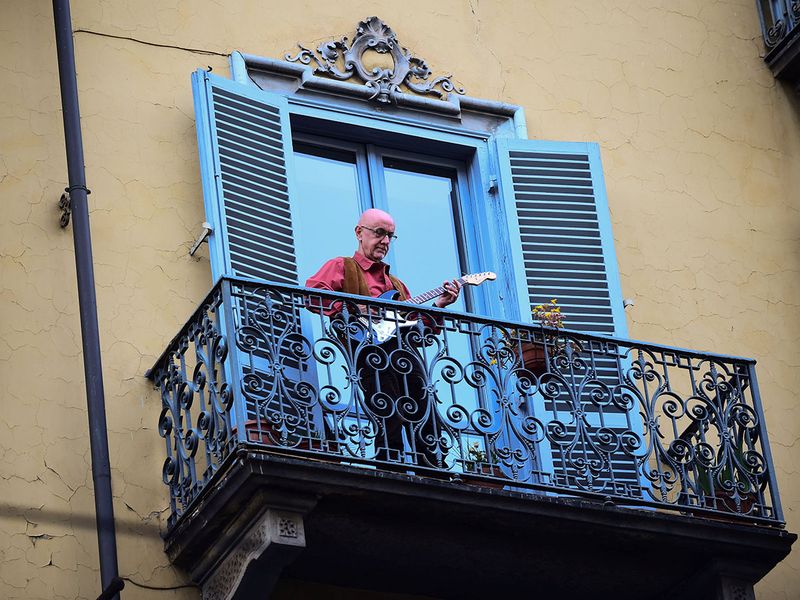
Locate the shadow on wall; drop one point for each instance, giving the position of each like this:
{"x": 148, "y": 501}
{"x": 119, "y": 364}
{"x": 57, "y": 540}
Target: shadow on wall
{"x": 148, "y": 525}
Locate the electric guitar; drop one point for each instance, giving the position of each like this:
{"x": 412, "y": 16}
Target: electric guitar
{"x": 380, "y": 330}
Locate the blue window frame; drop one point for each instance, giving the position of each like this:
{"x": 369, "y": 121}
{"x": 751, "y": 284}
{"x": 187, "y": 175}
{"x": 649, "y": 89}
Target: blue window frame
{"x": 337, "y": 180}
{"x": 427, "y": 196}
{"x": 547, "y": 229}
{"x": 332, "y": 190}
{"x": 274, "y": 236}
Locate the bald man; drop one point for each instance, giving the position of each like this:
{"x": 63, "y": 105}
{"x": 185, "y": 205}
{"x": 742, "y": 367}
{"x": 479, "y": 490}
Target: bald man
{"x": 365, "y": 273}
{"x": 374, "y": 232}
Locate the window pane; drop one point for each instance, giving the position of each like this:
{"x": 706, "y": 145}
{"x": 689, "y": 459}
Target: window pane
{"x": 328, "y": 209}
{"x": 421, "y": 203}
{"x": 328, "y": 201}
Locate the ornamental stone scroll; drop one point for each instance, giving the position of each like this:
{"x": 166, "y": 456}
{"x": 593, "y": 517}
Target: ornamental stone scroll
{"x": 372, "y": 33}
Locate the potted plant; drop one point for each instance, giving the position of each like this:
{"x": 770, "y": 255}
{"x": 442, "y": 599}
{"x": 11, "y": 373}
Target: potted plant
{"x": 720, "y": 487}
{"x": 264, "y": 432}
{"x": 477, "y": 463}
{"x": 533, "y": 355}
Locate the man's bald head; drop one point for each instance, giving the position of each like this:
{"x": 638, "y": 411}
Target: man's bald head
{"x": 371, "y": 216}
{"x": 370, "y": 243}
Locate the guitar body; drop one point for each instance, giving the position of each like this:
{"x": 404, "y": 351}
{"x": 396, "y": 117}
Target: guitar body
{"x": 378, "y": 331}
{"x": 390, "y": 295}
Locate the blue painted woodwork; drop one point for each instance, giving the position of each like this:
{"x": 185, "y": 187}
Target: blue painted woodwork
{"x": 245, "y": 150}
{"x": 246, "y": 170}
{"x": 561, "y": 239}
{"x": 486, "y": 241}
{"x": 238, "y": 68}
{"x": 563, "y": 248}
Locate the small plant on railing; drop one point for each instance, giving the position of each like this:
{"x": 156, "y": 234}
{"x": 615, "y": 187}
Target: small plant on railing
{"x": 475, "y": 456}
{"x": 532, "y": 355}
{"x": 481, "y": 462}
{"x": 549, "y": 314}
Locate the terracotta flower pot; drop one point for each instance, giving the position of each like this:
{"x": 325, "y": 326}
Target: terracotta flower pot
{"x": 487, "y": 471}
{"x": 533, "y": 358}
{"x": 726, "y": 501}
{"x": 262, "y": 432}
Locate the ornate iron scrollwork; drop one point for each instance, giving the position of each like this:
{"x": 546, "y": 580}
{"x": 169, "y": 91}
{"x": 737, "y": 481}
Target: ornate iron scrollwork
{"x": 373, "y": 34}
{"x": 775, "y": 34}
{"x": 474, "y": 400}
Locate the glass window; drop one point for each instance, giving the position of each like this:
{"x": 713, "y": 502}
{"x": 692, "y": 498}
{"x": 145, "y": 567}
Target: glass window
{"x": 329, "y": 204}
{"x": 423, "y": 203}
{"x": 336, "y": 181}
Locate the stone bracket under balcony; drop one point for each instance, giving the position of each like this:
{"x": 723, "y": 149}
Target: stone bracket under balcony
{"x": 256, "y": 559}
{"x": 384, "y": 530}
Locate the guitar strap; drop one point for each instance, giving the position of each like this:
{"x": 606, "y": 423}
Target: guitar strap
{"x": 398, "y": 286}
{"x": 356, "y": 283}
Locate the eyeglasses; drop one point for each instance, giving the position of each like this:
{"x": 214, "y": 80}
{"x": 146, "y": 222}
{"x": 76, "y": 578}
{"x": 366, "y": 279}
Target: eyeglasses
{"x": 381, "y": 233}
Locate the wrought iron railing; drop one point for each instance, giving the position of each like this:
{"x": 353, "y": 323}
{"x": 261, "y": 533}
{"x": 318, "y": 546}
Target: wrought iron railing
{"x": 462, "y": 397}
{"x": 778, "y": 18}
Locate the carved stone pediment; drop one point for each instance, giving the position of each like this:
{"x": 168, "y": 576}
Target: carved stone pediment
{"x": 338, "y": 60}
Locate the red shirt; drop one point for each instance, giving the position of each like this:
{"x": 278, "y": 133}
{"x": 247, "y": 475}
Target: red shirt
{"x": 331, "y": 276}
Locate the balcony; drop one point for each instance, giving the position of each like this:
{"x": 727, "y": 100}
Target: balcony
{"x": 779, "y": 26}
{"x": 520, "y": 445}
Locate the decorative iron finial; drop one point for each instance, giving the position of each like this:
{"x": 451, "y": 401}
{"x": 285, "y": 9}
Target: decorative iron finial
{"x": 373, "y": 34}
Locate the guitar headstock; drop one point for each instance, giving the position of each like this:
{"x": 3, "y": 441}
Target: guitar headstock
{"x": 478, "y": 278}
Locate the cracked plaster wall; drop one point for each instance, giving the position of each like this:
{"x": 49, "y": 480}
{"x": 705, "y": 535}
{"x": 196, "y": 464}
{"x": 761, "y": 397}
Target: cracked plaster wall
{"x": 701, "y": 149}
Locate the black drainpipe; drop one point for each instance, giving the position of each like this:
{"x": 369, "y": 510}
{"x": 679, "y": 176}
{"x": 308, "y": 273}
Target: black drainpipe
{"x": 87, "y": 300}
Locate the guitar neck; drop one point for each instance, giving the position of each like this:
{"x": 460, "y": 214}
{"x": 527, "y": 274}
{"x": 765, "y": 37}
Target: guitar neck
{"x": 431, "y": 294}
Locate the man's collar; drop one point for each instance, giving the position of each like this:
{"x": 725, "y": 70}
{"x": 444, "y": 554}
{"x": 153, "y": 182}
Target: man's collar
{"x": 366, "y": 264}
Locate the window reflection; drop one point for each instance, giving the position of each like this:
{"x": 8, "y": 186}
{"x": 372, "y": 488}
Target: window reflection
{"x": 421, "y": 200}
{"x": 328, "y": 193}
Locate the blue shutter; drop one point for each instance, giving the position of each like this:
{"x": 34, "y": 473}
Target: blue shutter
{"x": 245, "y": 156}
{"x": 245, "y": 149}
{"x": 562, "y": 247}
{"x": 560, "y": 228}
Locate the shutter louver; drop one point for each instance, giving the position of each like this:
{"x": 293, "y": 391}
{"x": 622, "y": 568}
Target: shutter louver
{"x": 246, "y": 180}
{"x": 245, "y": 155}
{"x": 562, "y": 248}
{"x": 556, "y": 206}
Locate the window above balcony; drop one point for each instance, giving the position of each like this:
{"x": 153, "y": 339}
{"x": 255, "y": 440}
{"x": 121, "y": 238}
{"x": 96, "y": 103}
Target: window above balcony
{"x": 533, "y": 211}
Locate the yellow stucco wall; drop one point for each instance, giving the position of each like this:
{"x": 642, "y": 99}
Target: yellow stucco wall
{"x": 701, "y": 150}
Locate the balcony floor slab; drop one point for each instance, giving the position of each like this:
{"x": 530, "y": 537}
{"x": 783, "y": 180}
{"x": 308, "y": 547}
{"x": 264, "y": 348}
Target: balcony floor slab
{"x": 407, "y": 534}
